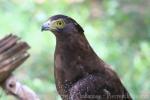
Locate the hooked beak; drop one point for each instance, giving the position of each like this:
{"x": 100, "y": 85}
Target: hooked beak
{"x": 46, "y": 26}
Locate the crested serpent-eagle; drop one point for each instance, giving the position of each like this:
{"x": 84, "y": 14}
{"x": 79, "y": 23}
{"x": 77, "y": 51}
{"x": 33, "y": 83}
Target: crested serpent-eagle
{"x": 79, "y": 73}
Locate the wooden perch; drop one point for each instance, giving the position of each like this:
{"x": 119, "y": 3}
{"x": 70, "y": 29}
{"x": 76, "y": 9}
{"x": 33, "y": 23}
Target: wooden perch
{"x": 13, "y": 53}
{"x": 20, "y": 91}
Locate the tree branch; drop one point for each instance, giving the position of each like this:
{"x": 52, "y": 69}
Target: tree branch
{"x": 13, "y": 53}
{"x": 22, "y": 92}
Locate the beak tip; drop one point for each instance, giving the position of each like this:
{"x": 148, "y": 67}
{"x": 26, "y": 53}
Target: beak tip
{"x": 45, "y": 27}
{"x": 42, "y": 29}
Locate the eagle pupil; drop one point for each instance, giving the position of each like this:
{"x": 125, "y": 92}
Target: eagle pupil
{"x": 59, "y": 23}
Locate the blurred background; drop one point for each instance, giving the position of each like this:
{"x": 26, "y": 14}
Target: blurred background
{"x": 118, "y": 31}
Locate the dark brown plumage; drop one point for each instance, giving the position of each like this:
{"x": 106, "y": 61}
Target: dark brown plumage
{"x": 79, "y": 73}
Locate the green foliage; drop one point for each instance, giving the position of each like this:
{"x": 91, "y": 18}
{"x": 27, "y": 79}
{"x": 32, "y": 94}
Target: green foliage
{"x": 118, "y": 30}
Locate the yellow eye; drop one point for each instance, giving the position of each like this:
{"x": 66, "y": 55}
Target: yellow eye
{"x": 59, "y": 24}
